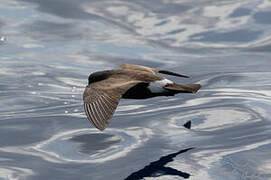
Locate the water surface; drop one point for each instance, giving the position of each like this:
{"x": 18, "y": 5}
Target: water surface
{"x": 50, "y": 47}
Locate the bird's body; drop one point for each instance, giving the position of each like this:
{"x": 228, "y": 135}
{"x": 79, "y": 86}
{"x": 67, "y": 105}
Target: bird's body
{"x": 106, "y": 88}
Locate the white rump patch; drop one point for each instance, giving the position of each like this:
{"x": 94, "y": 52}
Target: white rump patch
{"x": 157, "y": 86}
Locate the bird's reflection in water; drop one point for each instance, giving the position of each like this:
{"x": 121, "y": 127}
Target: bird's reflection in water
{"x": 157, "y": 168}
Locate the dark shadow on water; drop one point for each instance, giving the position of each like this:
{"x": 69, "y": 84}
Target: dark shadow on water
{"x": 91, "y": 143}
{"x": 157, "y": 168}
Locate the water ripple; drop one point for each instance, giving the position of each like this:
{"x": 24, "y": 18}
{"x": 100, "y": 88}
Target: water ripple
{"x": 13, "y": 172}
{"x": 52, "y": 46}
{"x": 108, "y": 146}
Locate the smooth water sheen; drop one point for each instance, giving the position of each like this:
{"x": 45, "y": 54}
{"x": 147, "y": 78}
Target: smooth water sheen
{"x": 49, "y": 48}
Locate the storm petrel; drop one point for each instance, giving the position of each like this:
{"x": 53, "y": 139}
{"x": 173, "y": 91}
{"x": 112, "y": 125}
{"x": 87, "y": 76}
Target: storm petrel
{"x": 106, "y": 88}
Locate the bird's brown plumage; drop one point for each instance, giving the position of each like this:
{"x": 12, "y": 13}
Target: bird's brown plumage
{"x": 106, "y": 88}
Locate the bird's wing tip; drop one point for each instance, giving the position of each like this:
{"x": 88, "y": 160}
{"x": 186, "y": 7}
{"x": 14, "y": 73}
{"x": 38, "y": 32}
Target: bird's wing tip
{"x": 172, "y": 73}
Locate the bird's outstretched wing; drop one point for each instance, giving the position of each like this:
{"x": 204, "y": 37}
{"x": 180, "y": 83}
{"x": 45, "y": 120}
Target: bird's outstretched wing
{"x": 151, "y": 70}
{"x": 101, "y": 100}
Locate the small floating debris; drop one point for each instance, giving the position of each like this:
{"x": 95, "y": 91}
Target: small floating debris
{"x": 187, "y": 125}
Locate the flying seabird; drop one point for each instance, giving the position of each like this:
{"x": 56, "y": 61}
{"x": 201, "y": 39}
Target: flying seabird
{"x": 106, "y": 88}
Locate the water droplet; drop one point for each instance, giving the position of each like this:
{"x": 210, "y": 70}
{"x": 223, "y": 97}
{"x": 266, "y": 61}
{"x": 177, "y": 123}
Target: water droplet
{"x": 3, "y": 39}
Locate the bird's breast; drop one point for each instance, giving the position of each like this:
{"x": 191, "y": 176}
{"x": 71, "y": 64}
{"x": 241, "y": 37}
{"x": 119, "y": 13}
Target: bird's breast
{"x": 158, "y": 86}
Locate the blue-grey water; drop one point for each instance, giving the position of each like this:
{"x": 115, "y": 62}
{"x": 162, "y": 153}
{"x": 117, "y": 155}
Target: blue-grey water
{"x": 49, "y": 47}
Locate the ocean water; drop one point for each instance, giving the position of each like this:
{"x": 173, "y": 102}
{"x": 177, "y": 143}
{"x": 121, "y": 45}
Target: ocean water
{"x": 49, "y": 48}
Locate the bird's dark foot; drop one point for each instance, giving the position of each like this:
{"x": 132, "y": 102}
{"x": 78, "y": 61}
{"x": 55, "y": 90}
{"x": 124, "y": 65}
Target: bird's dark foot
{"x": 170, "y": 94}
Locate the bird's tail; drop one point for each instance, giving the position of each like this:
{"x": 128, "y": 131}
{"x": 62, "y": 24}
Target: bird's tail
{"x": 183, "y": 88}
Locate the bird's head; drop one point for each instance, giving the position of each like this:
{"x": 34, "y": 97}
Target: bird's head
{"x": 97, "y": 76}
